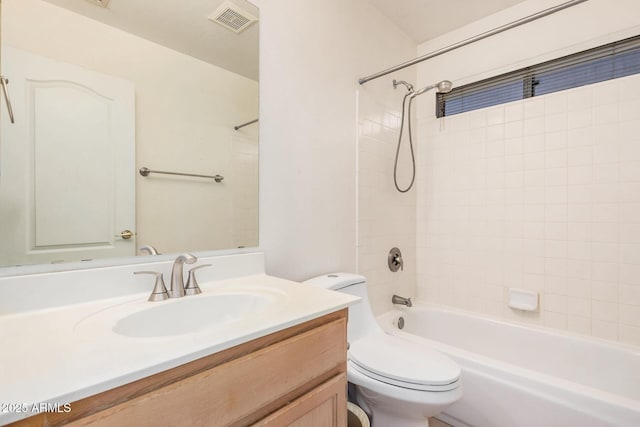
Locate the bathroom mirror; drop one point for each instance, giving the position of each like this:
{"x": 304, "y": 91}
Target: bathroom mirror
{"x": 104, "y": 88}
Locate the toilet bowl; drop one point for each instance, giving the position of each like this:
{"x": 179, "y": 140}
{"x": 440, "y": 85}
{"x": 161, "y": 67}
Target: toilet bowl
{"x": 398, "y": 382}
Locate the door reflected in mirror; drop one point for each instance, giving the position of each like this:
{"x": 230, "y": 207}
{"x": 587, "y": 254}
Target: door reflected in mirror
{"x": 100, "y": 93}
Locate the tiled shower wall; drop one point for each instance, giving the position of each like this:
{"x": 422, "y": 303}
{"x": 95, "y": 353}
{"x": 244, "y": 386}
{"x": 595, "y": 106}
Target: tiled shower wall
{"x": 541, "y": 194}
{"x": 386, "y": 218}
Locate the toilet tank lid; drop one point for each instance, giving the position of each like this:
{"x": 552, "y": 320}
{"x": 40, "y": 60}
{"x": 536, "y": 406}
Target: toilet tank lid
{"x": 335, "y": 281}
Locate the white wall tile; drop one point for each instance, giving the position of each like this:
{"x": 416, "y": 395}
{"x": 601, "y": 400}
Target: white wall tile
{"x": 533, "y": 126}
{"x": 605, "y": 311}
{"x": 555, "y": 176}
{"x": 514, "y": 112}
{"x": 605, "y": 212}
{"x": 604, "y": 291}
{"x": 557, "y": 201}
{"x": 629, "y": 110}
{"x": 579, "y": 175}
{"x": 630, "y": 274}
{"x": 605, "y": 330}
{"x": 630, "y": 253}
{"x": 579, "y": 156}
{"x": 555, "y": 140}
{"x": 605, "y": 252}
{"x": 580, "y": 99}
{"x": 630, "y": 192}
{"x": 579, "y": 194}
{"x": 606, "y": 173}
{"x": 630, "y": 232}
{"x": 630, "y": 171}
{"x": 555, "y": 320}
{"x": 580, "y": 251}
{"x": 603, "y": 114}
{"x": 606, "y": 153}
{"x": 579, "y": 324}
{"x": 556, "y": 159}
{"x": 630, "y": 130}
{"x": 579, "y": 306}
{"x": 556, "y": 285}
{"x": 556, "y": 122}
{"x": 579, "y": 118}
{"x": 513, "y": 130}
{"x": 630, "y": 314}
{"x": 556, "y": 103}
{"x": 606, "y": 93}
{"x": 533, "y": 107}
{"x": 629, "y": 334}
{"x": 534, "y": 161}
{"x": 580, "y": 137}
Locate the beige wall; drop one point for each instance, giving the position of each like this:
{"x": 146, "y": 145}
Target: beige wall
{"x": 185, "y": 113}
{"x": 539, "y": 194}
{"x": 309, "y": 131}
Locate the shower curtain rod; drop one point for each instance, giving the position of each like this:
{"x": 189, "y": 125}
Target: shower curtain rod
{"x": 473, "y": 39}
{"x": 245, "y": 124}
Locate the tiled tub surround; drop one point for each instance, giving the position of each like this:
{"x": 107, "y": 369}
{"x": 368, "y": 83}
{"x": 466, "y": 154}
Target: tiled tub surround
{"x": 58, "y": 346}
{"x": 386, "y": 218}
{"x": 541, "y": 194}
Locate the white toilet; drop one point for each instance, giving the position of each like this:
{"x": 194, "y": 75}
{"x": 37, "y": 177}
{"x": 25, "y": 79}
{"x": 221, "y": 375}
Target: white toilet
{"x": 399, "y": 383}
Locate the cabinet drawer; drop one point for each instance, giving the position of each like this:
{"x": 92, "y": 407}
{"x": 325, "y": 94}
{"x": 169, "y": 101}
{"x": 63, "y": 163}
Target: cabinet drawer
{"x": 242, "y": 390}
{"x": 324, "y": 406}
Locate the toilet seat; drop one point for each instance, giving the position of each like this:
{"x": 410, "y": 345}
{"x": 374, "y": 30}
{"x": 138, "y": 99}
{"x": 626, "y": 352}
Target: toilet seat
{"x": 403, "y": 363}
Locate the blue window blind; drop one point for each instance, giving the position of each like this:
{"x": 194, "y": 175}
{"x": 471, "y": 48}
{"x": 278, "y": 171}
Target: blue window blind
{"x": 614, "y": 60}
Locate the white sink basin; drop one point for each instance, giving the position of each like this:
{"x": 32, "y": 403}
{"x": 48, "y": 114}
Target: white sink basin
{"x": 191, "y": 314}
{"x": 207, "y": 312}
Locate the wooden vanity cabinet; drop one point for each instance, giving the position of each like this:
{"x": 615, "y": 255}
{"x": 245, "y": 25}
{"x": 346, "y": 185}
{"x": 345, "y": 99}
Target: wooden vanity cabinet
{"x": 295, "y": 377}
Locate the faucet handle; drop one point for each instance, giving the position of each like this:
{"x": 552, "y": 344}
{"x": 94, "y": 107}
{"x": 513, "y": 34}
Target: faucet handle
{"x": 159, "y": 292}
{"x": 192, "y": 288}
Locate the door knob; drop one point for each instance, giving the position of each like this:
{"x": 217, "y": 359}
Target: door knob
{"x": 126, "y": 234}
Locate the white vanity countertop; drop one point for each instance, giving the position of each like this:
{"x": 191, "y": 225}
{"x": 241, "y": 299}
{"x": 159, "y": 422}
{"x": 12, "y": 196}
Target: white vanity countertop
{"x": 66, "y": 353}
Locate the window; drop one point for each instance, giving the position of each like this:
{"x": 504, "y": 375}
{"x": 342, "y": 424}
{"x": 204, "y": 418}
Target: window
{"x": 606, "y": 62}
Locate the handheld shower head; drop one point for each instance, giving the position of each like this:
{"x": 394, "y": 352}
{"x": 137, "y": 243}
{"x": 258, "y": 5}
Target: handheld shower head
{"x": 444, "y": 86}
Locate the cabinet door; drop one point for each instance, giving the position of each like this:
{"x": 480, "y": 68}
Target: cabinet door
{"x": 324, "y": 406}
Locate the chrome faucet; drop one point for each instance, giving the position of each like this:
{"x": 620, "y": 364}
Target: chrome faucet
{"x": 397, "y": 299}
{"x": 176, "y": 286}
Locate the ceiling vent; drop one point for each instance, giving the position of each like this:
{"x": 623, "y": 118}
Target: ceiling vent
{"x": 232, "y": 17}
{"x": 101, "y": 3}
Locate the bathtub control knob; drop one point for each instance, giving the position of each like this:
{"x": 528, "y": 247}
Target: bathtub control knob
{"x": 394, "y": 260}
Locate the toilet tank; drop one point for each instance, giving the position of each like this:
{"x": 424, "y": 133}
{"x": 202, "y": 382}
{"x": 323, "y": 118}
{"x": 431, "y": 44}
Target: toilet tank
{"x": 361, "y": 318}
{"x": 336, "y": 281}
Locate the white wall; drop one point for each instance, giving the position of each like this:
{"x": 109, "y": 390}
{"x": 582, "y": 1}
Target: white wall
{"x": 185, "y": 113}
{"x": 540, "y": 194}
{"x": 308, "y": 129}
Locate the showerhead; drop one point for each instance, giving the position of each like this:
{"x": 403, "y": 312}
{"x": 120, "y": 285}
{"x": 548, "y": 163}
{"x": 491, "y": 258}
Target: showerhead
{"x": 444, "y": 86}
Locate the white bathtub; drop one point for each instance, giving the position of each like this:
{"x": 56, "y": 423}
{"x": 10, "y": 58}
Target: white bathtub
{"x": 517, "y": 375}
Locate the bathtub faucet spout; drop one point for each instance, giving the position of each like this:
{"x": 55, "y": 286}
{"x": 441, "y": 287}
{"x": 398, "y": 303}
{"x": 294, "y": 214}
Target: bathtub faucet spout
{"x": 397, "y": 299}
